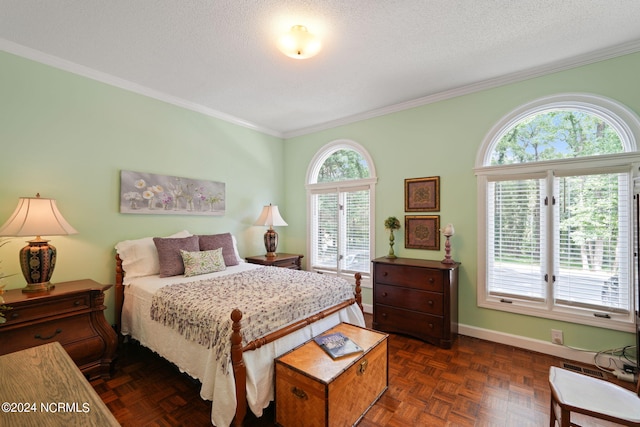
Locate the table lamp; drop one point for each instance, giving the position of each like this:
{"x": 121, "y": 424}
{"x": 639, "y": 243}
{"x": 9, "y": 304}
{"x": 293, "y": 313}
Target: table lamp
{"x": 37, "y": 216}
{"x": 270, "y": 216}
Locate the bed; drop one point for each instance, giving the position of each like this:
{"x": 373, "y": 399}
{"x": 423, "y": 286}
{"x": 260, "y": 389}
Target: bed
{"x": 230, "y": 346}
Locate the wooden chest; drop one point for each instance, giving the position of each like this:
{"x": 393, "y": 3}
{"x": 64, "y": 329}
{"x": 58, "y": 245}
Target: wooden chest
{"x": 417, "y": 298}
{"x": 312, "y": 389}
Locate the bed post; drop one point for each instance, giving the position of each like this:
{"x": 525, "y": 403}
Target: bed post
{"x": 239, "y": 368}
{"x": 359, "y": 291}
{"x": 119, "y": 295}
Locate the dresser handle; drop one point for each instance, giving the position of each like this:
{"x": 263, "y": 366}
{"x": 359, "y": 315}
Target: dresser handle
{"x": 362, "y": 367}
{"x": 384, "y": 315}
{"x": 384, "y": 294}
{"x": 385, "y": 273}
{"x": 77, "y": 303}
{"x": 430, "y": 280}
{"x": 40, "y": 337}
{"x": 430, "y": 303}
{"x": 431, "y": 325}
{"x": 14, "y": 315}
{"x": 299, "y": 393}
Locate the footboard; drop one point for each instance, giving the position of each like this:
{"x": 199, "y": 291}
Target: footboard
{"x": 239, "y": 368}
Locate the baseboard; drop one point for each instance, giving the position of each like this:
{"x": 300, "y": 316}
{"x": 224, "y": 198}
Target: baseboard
{"x": 528, "y": 344}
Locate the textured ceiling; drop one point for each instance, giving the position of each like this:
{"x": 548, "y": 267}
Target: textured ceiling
{"x": 220, "y": 57}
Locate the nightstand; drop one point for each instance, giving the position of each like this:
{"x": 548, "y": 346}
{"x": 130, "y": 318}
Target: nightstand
{"x": 72, "y": 313}
{"x": 291, "y": 261}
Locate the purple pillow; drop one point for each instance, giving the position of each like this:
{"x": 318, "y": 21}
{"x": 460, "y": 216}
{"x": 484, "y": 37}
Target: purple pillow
{"x": 169, "y": 253}
{"x": 225, "y": 241}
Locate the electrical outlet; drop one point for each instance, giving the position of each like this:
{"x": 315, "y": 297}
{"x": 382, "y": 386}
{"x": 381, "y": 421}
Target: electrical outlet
{"x": 556, "y": 336}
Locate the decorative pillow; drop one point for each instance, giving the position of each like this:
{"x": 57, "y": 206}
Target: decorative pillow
{"x": 202, "y": 262}
{"x": 140, "y": 257}
{"x": 224, "y": 241}
{"x": 169, "y": 253}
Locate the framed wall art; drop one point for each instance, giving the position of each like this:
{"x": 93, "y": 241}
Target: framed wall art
{"x": 147, "y": 193}
{"x": 422, "y": 194}
{"x": 422, "y": 232}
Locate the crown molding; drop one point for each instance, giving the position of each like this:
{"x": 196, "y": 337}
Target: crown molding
{"x": 72, "y": 67}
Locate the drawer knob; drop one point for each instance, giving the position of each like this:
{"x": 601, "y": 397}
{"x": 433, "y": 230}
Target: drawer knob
{"x": 384, "y": 315}
{"x": 40, "y": 337}
{"x": 430, "y": 303}
{"x": 431, "y": 280}
{"x": 77, "y": 303}
{"x": 431, "y": 325}
{"x": 362, "y": 367}
{"x": 299, "y": 393}
{"x": 14, "y": 315}
{"x": 385, "y": 273}
{"x": 384, "y": 294}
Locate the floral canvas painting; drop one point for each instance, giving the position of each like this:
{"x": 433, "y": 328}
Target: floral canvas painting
{"x": 147, "y": 193}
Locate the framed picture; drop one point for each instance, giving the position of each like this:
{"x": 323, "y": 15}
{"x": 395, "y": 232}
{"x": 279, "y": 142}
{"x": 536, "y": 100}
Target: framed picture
{"x": 422, "y": 194}
{"x": 147, "y": 193}
{"x": 422, "y": 232}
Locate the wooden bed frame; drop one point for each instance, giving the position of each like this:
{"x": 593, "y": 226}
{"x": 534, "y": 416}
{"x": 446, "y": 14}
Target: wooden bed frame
{"x": 239, "y": 368}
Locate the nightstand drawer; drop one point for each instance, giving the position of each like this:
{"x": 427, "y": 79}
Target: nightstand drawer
{"x": 410, "y": 277}
{"x": 64, "y": 331}
{"x": 43, "y": 309}
{"x": 410, "y": 299}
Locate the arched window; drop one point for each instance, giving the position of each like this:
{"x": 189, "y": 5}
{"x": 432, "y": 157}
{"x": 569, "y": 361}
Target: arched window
{"x": 340, "y": 183}
{"x": 555, "y": 186}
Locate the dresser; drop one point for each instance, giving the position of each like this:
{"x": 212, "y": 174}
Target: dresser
{"x": 72, "y": 314}
{"x": 292, "y": 261}
{"x": 416, "y": 297}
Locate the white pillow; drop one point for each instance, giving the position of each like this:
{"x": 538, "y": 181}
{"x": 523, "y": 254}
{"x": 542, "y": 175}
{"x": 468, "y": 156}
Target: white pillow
{"x": 235, "y": 249}
{"x": 140, "y": 257}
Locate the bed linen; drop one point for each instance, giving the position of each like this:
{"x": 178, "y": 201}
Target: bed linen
{"x": 200, "y": 362}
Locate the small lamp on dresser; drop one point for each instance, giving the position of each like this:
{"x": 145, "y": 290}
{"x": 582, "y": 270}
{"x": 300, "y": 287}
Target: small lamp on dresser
{"x": 270, "y": 216}
{"x": 37, "y": 216}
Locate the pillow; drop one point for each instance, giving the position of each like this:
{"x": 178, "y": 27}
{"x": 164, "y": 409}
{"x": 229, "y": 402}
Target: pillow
{"x": 140, "y": 257}
{"x": 169, "y": 253}
{"x": 202, "y": 262}
{"x": 224, "y": 241}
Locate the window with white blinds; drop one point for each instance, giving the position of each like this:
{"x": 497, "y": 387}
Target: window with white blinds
{"x": 555, "y": 214}
{"x": 340, "y": 184}
{"x": 568, "y": 246}
{"x": 341, "y": 231}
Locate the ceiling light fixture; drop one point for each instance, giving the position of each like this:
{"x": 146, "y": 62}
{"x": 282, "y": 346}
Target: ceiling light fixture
{"x": 299, "y": 43}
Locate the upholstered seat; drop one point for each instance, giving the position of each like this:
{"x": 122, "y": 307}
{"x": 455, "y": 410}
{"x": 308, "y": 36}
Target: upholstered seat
{"x": 574, "y": 392}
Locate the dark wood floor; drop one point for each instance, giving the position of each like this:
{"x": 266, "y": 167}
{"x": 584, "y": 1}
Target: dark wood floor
{"x": 476, "y": 383}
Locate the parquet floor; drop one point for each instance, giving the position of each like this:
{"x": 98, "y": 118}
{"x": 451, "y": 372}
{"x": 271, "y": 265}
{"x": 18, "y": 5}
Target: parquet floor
{"x": 476, "y": 383}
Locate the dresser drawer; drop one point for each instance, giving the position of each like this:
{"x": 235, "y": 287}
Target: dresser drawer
{"x": 410, "y": 277}
{"x": 421, "y": 325}
{"x": 40, "y": 310}
{"x": 410, "y": 299}
{"x": 65, "y": 331}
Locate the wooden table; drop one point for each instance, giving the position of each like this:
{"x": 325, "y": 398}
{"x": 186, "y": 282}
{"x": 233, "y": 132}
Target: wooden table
{"x": 42, "y": 386}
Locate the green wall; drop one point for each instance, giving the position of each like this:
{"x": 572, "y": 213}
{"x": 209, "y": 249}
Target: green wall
{"x": 442, "y": 139}
{"x": 67, "y": 137}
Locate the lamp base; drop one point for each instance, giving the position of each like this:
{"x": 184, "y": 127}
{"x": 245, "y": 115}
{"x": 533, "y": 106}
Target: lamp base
{"x": 38, "y": 287}
{"x": 271, "y": 242}
{"x": 37, "y": 261}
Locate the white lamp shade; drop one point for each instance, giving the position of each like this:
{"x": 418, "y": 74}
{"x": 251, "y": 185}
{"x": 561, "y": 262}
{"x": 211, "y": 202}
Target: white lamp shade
{"x": 298, "y": 43}
{"x": 36, "y": 216}
{"x": 270, "y": 216}
{"x": 448, "y": 230}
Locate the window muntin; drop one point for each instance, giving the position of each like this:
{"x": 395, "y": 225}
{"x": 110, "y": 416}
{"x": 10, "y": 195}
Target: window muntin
{"x": 558, "y": 208}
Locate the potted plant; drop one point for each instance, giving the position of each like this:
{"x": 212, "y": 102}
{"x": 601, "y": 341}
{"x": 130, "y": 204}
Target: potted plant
{"x": 391, "y": 223}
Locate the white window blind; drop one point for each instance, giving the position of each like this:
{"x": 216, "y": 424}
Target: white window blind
{"x": 341, "y": 230}
{"x": 515, "y": 258}
{"x": 591, "y": 225}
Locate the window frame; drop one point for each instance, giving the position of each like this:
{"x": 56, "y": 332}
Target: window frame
{"x": 627, "y": 125}
{"x": 313, "y": 187}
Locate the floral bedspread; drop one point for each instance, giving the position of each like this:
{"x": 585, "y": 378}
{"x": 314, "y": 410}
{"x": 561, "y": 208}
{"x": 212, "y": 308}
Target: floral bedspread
{"x": 269, "y": 298}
